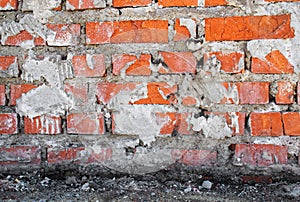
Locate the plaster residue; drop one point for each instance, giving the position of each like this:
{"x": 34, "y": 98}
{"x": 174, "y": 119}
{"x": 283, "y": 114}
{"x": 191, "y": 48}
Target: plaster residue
{"x": 41, "y": 9}
{"x": 43, "y": 100}
{"x": 52, "y": 71}
{"x": 208, "y": 91}
{"x": 138, "y": 120}
{"x": 143, "y": 161}
{"x": 30, "y": 24}
{"x": 212, "y": 127}
{"x": 190, "y": 24}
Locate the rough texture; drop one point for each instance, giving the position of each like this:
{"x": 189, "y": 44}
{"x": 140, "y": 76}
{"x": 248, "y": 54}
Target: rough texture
{"x": 138, "y": 86}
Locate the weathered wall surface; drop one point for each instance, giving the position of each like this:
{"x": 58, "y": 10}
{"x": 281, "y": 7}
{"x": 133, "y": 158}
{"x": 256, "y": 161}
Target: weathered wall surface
{"x": 137, "y": 86}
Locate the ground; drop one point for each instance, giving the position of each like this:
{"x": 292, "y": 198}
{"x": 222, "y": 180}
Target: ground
{"x": 73, "y": 186}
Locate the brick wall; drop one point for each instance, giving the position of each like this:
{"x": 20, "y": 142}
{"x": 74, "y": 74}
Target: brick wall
{"x": 140, "y": 85}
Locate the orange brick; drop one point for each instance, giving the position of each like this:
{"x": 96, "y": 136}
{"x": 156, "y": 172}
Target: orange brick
{"x": 180, "y": 3}
{"x": 266, "y": 124}
{"x": 66, "y": 34}
{"x": 260, "y": 154}
{"x": 8, "y": 123}
{"x": 2, "y": 95}
{"x": 6, "y": 62}
{"x": 174, "y": 122}
{"x": 88, "y": 123}
{"x": 274, "y": 63}
{"x": 130, "y": 3}
{"x": 45, "y": 124}
{"x": 253, "y": 92}
{"x": 16, "y": 91}
{"x": 291, "y": 122}
{"x": 134, "y": 65}
{"x": 78, "y": 91}
{"x": 140, "y": 31}
{"x": 195, "y": 157}
{"x": 89, "y": 65}
{"x": 248, "y": 28}
{"x": 83, "y": 4}
{"x": 22, "y": 37}
{"x": 189, "y": 101}
{"x": 8, "y": 5}
{"x": 209, "y": 3}
{"x": 157, "y": 92}
{"x": 154, "y": 95}
{"x": 20, "y": 155}
{"x": 285, "y": 93}
{"x": 182, "y": 32}
{"x": 230, "y": 62}
{"x": 178, "y": 62}
{"x": 78, "y": 155}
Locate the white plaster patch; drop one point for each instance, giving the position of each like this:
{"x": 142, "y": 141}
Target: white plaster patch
{"x": 43, "y": 100}
{"x": 42, "y": 9}
{"x": 190, "y": 24}
{"x": 212, "y": 127}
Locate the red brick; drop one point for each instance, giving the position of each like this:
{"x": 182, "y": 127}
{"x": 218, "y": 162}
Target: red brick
{"x": 78, "y": 91}
{"x": 155, "y": 96}
{"x": 16, "y": 91}
{"x": 83, "y": 4}
{"x": 131, "y": 3}
{"x": 189, "y": 101}
{"x": 266, "y": 124}
{"x": 291, "y": 123}
{"x": 45, "y": 124}
{"x": 158, "y": 92}
{"x": 89, "y": 65}
{"x": 179, "y": 3}
{"x": 195, "y": 157}
{"x": 182, "y": 32}
{"x": 209, "y": 3}
{"x": 78, "y": 155}
{"x": 7, "y": 61}
{"x": 22, "y": 37}
{"x": 107, "y": 91}
{"x": 62, "y": 155}
{"x": 8, "y": 123}
{"x": 174, "y": 122}
{"x": 285, "y": 93}
{"x": 253, "y": 92}
{"x": 87, "y": 123}
{"x": 2, "y": 95}
{"x": 178, "y": 62}
{"x": 248, "y": 28}
{"x": 19, "y": 155}
{"x": 274, "y": 63}
{"x": 8, "y": 5}
{"x": 261, "y": 179}
{"x": 230, "y": 62}
{"x": 260, "y": 154}
{"x": 140, "y": 31}
{"x": 132, "y": 65}
{"x": 65, "y": 34}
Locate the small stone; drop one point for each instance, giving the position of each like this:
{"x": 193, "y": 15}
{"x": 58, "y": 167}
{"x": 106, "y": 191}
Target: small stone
{"x": 188, "y": 189}
{"x": 71, "y": 180}
{"x": 85, "y": 187}
{"x": 207, "y": 184}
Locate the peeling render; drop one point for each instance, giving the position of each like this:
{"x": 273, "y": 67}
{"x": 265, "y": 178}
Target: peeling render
{"x": 43, "y": 100}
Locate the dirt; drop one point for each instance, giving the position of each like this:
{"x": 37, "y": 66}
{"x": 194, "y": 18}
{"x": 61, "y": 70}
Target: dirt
{"x": 74, "y": 186}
